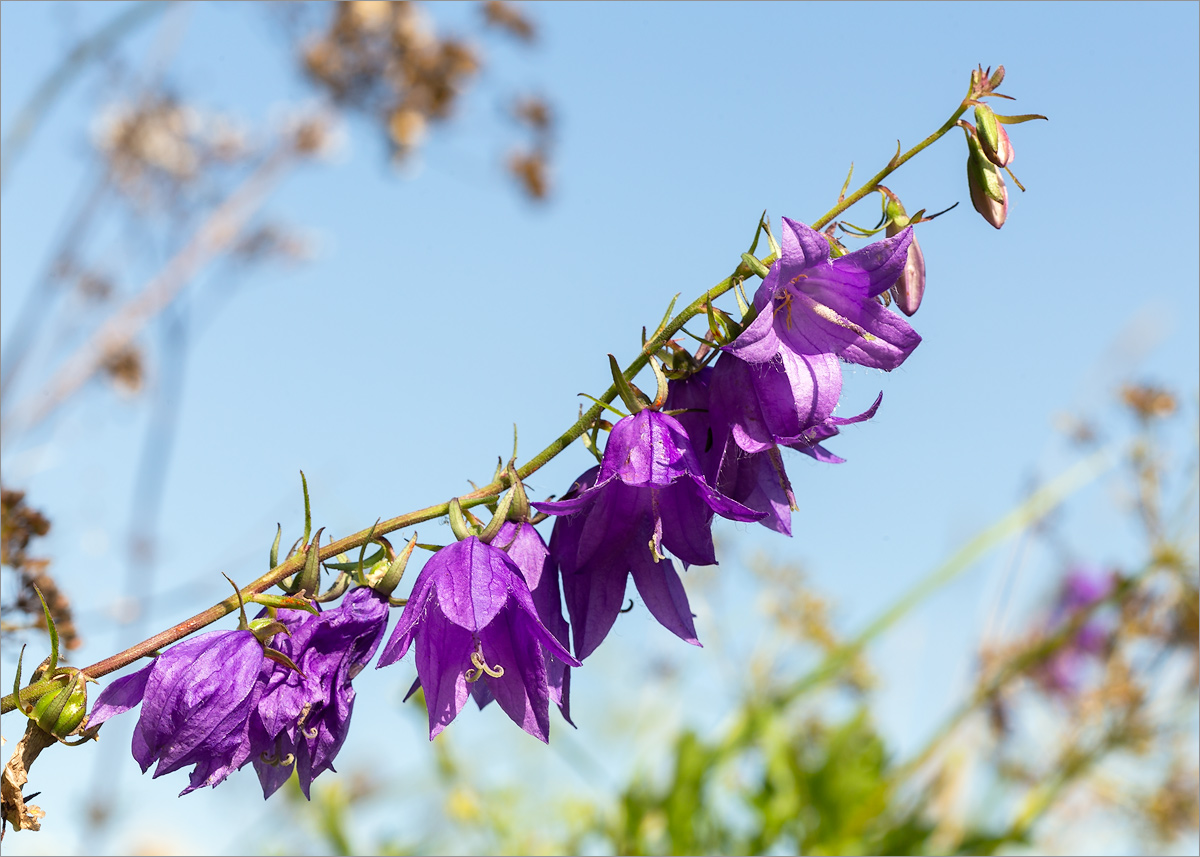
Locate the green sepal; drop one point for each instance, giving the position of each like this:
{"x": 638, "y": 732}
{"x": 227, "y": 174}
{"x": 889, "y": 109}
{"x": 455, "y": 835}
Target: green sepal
{"x": 309, "y": 578}
{"x": 1017, "y": 120}
{"x": 284, "y": 602}
{"x": 336, "y": 590}
{"x": 275, "y": 545}
{"x": 458, "y": 522}
{"x": 391, "y": 578}
{"x": 307, "y": 509}
{"x": 267, "y": 627}
{"x": 49, "y": 627}
{"x": 502, "y": 509}
{"x": 985, "y": 121}
{"x": 985, "y": 171}
{"x": 280, "y": 658}
{"x": 660, "y": 395}
{"x": 624, "y": 389}
{"x": 755, "y": 266}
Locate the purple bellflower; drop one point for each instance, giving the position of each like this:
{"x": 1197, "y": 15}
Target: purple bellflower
{"x": 810, "y": 305}
{"x": 301, "y": 719}
{"x": 649, "y": 492}
{"x": 1061, "y": 674}
{"x": 197, "y": 698}
{"x": 473, "y": 619}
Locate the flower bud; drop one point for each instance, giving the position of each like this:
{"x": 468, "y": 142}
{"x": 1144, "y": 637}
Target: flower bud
{"x": 993, "y": 139}
{"x": 909, "y": 288}
{"x": 60, "y": 711}
{"x": 988, "y": 193}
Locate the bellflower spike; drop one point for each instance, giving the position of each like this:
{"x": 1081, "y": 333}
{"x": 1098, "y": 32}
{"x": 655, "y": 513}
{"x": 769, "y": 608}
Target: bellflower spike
{"x": 302, "y": 718}
{"x": 197, "y": 698}
{"x": 648, "y": 492}
{"x": 473, "y": 619}
{"x": 812, "y": 305}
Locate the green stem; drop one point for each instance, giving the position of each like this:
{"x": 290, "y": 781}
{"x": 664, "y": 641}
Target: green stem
{"x": 480, "y": 495}
{"x": 893, "y": 165}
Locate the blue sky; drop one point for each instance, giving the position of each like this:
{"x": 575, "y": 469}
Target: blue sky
{"x": 442, "y": 308}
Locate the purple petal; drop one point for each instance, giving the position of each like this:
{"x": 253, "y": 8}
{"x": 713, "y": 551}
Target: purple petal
{"x": 521, "y": 691}
{"x": 686, "y": 522}
{"x": 826, "y": 319}
{"x": 758, "y": 343}
{"x": 120, "y": 696}
{"x": 443, "y": 657}
{"x": 662, "y": 591}
{"x": 879, "y": 264}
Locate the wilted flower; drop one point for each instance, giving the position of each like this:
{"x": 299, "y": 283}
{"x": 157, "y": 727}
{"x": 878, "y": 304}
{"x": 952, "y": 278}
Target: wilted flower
{"x": 811, "y": 305}
{"x": 649, "y": 492}
{"x": 197, "y": 698}
{"x": 473, "y": 619}
{"x": 302, "y": 718}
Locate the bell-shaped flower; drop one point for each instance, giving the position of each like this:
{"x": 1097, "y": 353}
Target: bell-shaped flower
{"x": 648, "y": 493}
{"x": 302, "y": 717}
{"x": 473, "y": 619}
{"x": 811, "y": 305}
{"x": 197, "y": 698}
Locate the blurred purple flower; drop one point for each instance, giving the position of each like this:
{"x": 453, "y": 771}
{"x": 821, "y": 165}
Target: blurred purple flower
{"x": 1061, "y": 674}
{"x": 302, "y": 718}
{"x": 197, "y": 698}
{"x": 648, "y": 492}
{"x": 810, "y": 305}
{"x": 473, "y": 619}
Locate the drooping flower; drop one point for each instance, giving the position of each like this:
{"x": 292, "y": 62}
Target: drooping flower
{"x": 302, "y": 718}
{"x": 197, "y": 698}
{"x": 811, "y": 305}
{"x": 473, "y": 619}
{"x": 649, "y": 492}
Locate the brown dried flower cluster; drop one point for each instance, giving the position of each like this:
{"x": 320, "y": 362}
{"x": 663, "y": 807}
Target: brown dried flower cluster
{"x": 20, "y": 524}
{"x": 162, "y": 144}
{"x": 384, "y": 58}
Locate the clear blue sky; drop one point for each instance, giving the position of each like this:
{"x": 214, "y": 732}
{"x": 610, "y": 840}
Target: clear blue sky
{"x": 457, "y": 309}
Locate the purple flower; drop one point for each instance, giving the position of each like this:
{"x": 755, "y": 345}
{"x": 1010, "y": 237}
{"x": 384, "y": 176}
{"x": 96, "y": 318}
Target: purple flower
{"x": 810, "y": 305}
{"x": 197, "y": 698}
{"x": 302, "y": 718}
{"x": 473, "y": 619}
{"x": 745, "y": 411}
{"x": 648, "y": 492}
{"x": 1061, "y": 673}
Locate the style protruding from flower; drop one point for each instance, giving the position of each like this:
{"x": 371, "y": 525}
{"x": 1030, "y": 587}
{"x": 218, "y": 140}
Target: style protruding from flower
{"x": 649, "y": 492}
{"x": 812, "y": 307}
{"x": 473, "y": 619}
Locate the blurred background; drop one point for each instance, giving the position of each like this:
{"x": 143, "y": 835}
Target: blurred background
{"x": 363, "y": 240}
